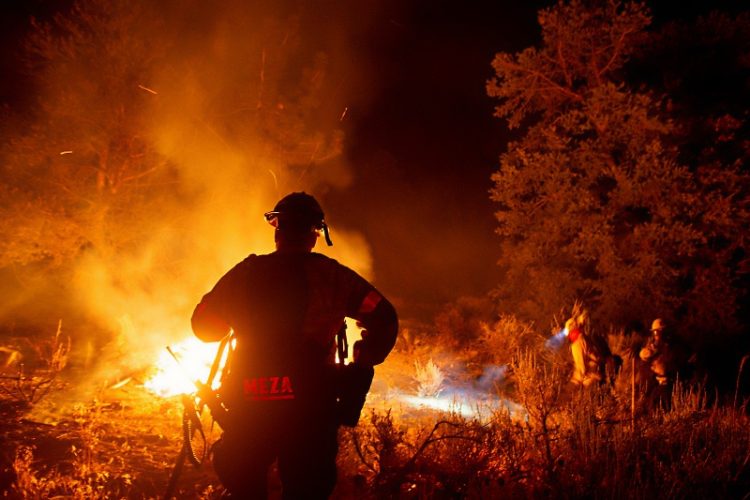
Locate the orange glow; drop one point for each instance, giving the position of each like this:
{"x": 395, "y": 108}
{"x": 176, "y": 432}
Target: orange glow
{"x": 196, "y": 357}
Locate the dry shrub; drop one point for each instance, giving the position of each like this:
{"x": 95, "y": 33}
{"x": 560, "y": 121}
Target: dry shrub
{"x": 31, "y": 382}
{"x": 429, "y": 378}
{"x": 459, "y": 324}
{"x": 456, "y": 458}
{"x": 602, "y": 441}
{"x": 682, "y": 451}
{"x": 513, "y": 440}
{"x": 124, "y": 448}
{"x": 539, "y": 386}
{"x": 588, "y": 449}
{"x": 381, "y": 446}
{"x": 449, "y": 458}
{"x": 25, "y": 483}
{"x": 506, "y": 336}
{"x": 689, "y": 451}
{"x": 82, "y": 482}
{"x": 77, "y": 472}
{"x": 573, "y": 443}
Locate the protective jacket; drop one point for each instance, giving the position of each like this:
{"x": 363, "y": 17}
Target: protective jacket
{"x": 665, "y": 357}
{"x": 285, "y": 310}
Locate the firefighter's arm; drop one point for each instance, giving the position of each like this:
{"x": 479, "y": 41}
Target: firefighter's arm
{"x": 207, "y": 324}
{"x": 213, "y": 318}
{"x": 380, "y": 322}
{"x": 648, "y": 352}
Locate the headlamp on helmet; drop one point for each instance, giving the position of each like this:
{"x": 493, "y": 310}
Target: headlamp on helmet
{"x": 658, "y": 325}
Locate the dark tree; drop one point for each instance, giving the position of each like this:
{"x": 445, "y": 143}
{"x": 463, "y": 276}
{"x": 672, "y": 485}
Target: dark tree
{"x": 596, "y": 201}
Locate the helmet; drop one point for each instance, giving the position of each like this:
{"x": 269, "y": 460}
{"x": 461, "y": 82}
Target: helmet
{"x": 298, "y": 212}
{"x": 658, "y": 324}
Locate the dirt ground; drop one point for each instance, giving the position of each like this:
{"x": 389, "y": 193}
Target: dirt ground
{"x": 123, "y": 443}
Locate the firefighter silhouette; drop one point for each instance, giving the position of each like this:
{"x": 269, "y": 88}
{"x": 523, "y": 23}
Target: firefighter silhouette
{"x": 286, "y": 396}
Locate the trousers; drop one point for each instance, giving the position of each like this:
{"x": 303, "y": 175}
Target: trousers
{"x": 305, "y": 444}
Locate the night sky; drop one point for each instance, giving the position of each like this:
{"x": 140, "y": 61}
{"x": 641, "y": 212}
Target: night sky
{"x": 423, "y": 142}
{"x": 431, "y": 135}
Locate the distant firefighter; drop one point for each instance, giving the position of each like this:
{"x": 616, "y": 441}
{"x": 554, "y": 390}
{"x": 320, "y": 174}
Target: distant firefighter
{"x": 664, "y": 353}
{"x": 593, "y": 361}
{"x": 586, "y": 358}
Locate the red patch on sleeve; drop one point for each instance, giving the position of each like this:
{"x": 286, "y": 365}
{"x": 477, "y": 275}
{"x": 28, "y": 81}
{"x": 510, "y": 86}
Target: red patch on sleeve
{"x": 370, "y": 302}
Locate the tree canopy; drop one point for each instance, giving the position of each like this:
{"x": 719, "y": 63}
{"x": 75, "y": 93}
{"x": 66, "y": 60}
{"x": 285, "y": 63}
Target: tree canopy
{"x": 598, "y": 200}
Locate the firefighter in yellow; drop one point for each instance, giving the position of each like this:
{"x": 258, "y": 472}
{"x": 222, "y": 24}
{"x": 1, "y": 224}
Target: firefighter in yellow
{"x": 593, "y": 361}
{"x": 285, "y": 395}
{"x": 586, "y": 358}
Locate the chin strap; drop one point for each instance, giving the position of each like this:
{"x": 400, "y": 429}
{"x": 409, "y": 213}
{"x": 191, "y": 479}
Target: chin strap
{"x": 327, "y": 236}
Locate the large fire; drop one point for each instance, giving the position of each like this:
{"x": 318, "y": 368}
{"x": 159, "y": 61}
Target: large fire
{"x": 173, "y": 377}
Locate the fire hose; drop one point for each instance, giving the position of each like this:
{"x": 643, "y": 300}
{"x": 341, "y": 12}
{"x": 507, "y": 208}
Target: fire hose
{"x": 193, "y": 405}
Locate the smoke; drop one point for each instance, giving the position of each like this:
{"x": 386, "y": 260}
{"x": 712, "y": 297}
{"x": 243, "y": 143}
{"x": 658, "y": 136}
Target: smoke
{"x": 492, "y": 376}
{"x": 243, "y": 107}
{"x": 479, "y": 398}
{"x": 556, "y": 341}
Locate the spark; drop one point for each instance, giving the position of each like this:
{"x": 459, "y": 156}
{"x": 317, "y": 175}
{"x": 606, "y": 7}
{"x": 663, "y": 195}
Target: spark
{"x": 341, "y": 118}
{"x": 275, "y": 180}
{"x": 66, "y": 153}
{"x": 121, "y": 383}
{"x": 148, "y": 89}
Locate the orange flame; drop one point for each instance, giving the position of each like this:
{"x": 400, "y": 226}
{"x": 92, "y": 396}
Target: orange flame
{"x": 172, "y": 379}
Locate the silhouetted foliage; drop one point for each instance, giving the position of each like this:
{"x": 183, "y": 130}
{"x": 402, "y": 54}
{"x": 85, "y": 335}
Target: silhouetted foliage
{"x": 596, "y": 200}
